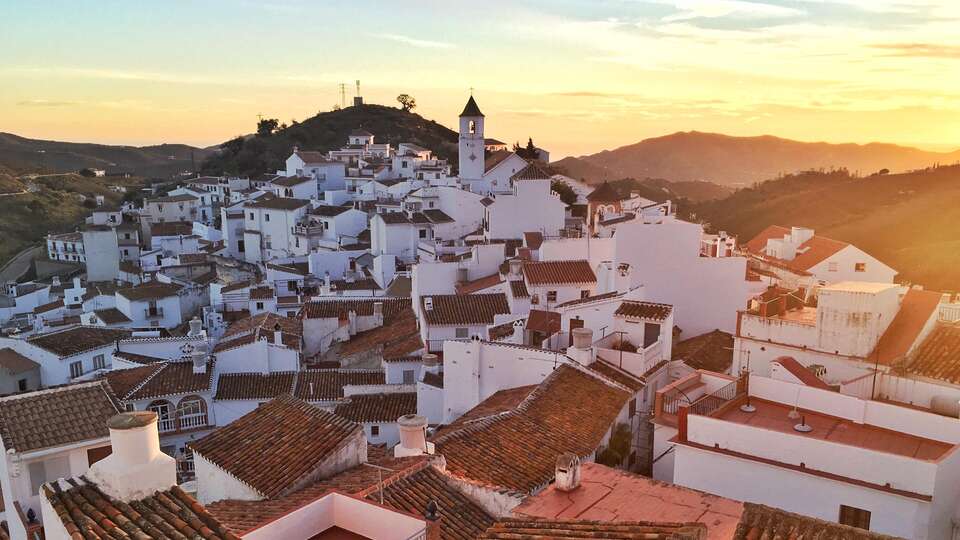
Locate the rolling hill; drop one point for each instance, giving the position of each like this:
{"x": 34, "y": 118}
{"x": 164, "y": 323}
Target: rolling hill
{"x": 22, "y": 155}
{"x": 254, "y": 154}
{"x": 909, "y": 220}
{"x": 742, "y": 161}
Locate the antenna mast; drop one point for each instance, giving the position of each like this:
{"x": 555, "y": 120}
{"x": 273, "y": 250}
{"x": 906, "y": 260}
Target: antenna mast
{"x": 343, "y": 95}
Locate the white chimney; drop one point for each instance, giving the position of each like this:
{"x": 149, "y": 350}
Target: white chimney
{"x": 413, "y": 437}
{"x": 196, "y": 327}
{"x": 582, "y": 349}
{"x": 326, "y": 282}
{"x": 516, "y": 265}
{"x": 462, "y": 276}
{"x": 431, "y": 363}
{"x": 277, "y": 335}
{"x": 56, "y": 281}
{"x": 568, "y": 472}
{"x": 136, "y": 468}
{"x": 519, "y": 328}
{"x": 377, "y": 314}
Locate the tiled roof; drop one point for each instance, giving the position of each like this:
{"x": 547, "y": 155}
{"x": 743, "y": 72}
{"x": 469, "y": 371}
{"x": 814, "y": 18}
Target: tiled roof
{"x": 326, "y": 210}
{"x": 124, "y": 381}
{"x": 761, "y": 522}
{"x": 519, "y": 288}
{"x": 287, "y": 181}
{"x": 327, "y": 384}
{"x": 938, "y": 357}
{"x": 809, "y": 254}
{"x": 57, "y": 416}
{"x": 172, "y": 198}
{"x": 301, "y": 269}
{"x": 330, "y": 309}
{"x": 49, "y": 306}
{"x": 606, "y": 368}
{"x": 916, "y": 309}
{"x": 534, "y": 529}
{"x": 644, "y": 310}
{"x": 171, "y": 228}
{"x": 570, "y": 411}
{"x": 275, "y": 448}
{"x": 712, "y": 351}
{"x": 150, "y": 290}
{"x": 77, "y": 340}
{"x": 15, "y": 362}
{"x": 437, "y": 216}
{"x": 368, "y": 284}
{"x": 495, "y": 159}
{"x": 138, "y": 358}
{"x": 558, "y": 272}
{"x": 433, "y": 379}
{"x": 309, "y": 156}
{"x": 171, "y": 378}
{"x": 605, "y": 192}
{"x": 479, "y": 284}
{"x": 464, "y": 309}
{"x": 254, "y": 386}
{"x": 192, "y": 258}
{"x": 394, "y": 218}
{"x": 235, "y": 286}
{"x": 499, "y": 402}
{"x": 804, "y": 375}
{"x": 111, "y": 316}
{"x": 533, "y": 239}
{"x": 378, "y": 407}
{"x": 261, "y": 293}
{"x": 531, "y": 172}
{"x": 250, "y": 329}
{"x": 460, "y": 517}
{"x": 360, "y": 132}
{"x": 88, "y": 512}
{"x": 588, "y": 299}
{"x": 399, "y": 336}
{"x": 546, "y": 322}
{"x": 271, "y": 202}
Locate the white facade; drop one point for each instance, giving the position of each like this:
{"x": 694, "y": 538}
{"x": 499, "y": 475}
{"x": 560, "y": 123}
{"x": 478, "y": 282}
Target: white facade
{"x": 532, "y": 206}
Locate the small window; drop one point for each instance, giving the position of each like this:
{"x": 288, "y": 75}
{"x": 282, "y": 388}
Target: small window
{"x": 832, "y": 267}
{"x": 374, "y": 431}
{"x": 551, "y": 296}
{"x": 76, "y": 369}
{"x": 251, "y": 216}
{"x": 22, "y": 385}
{"x": 860, "y": 267}
{"x": 854, "y": 517}
{"x": 462, "y": 333}
{"x": 584, "y": 294}
{"x": 98, "y": 362}
{"x": 259, "y": 305}
{"x": 423, "y": 233}
{"x": 292, "y": 285}
{"x": 266, "y": 217}
{"x": 408, "y": 376}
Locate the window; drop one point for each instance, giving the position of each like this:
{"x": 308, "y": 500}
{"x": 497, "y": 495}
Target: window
{"x": 472, "y": 126}
{"x": 860, "y": 267}
{"x": 292, "y": 285}
{"x": 22, "y": 385}
{"x": 431, "y": 204}
{"x": 408, "y": 376}
{"x": 462, "y": 333}
{"x": 266, "y": 217}
{"x": 76, "y": 369}
{"x": 259, "y": 305}
{"x": 832, "y": 267}
{"x": 584, "y": 294}
{"x": 374, "y": 431}
{"x": 854, "y": 517}
{"x": 240, "y": 246}
{"x": 164, "y": 410}
{"x": 251, "y": 216}
{"x": 423, "y": 233}
{"x": 192, "y": 412}
{"x": 98, "y": 362}
{"x": 551, "y": 296}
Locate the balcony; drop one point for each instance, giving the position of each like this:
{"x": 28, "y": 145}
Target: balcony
{"x": 636, "y": 360}
{"x": 153, "y": 313}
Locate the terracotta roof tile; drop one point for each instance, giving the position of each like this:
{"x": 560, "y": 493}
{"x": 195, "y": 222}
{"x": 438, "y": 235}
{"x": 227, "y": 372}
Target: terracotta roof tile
{"x": 399, "y": 336}
{"x": 327, "y": 384}
{"x": 272, "y": 202}
{"x": 57, "y": 416}
{"x": 274, "y": 448}
{"x": 464, "y": 309}
{"x": 916, "y": 309}
{"x": 588, "y": 299}
{"x": 150, "y": 290}
{"x": 533, "y": 239}
{"x": 606, "y": 368}
{"x": 174, "y": 378}
{"x": 558, "y": 272}
{"x": 78, "y": 340}
{"x": 262, "y": 326}
{"x": 479, "y": 284}
{"x": 125, "y": 381}
{"x": 570, "y": 411}
{"x": 171, "y": 228}
{"x": 533, "y": 529}
{"x": 495, "y": 159}
{"x": 938, "y": 357}
{"x": 111, "y": 316}
{"x": 809, "y": 254}
{"x": 759, "y": 521}
{"x": 331, "y": 309}
{"x": 644, "y": 310}
{"x": 805, "y": 376}
{"x": 532, "y": 171}
{"x": 378, "y": 407}
{"x": 518, "y": 288}
{"x": 88, "y": 512}
{"x": 15, "y": 362}
{"x": 712, "y": 351}
{"x": 545, "y": 322}
{"x": 254, "y": 386}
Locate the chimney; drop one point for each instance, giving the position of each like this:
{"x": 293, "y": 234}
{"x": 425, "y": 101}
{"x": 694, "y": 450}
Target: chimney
{"x": 196, "y": 327}
{"x": 432, "y": 515}
{"x": 326, "y": 282}
{"x": 582, "y": 349}
{"x": 413, "y": 437}
{"x": 519, "y": 327}
{"x": 568, "y": 472}
{"x": 56, "y": 281}
{"x": 136, "y": 468}
{"x": 199, "y": 361}
{"x": 462, "y": 276}
{"x": 377, "y": 314}
{"x": 431, "y": 363}
{"x": 516, "y": 265}
{"x": 76, "y": 283}
{"x": 277, "y": 335}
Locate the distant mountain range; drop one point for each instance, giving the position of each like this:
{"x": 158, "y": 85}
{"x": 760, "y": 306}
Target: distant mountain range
{"x": 741, "y": 161}
{"x": 20, "y": 154}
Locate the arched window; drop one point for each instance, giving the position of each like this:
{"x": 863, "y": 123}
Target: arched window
{"x": 472, "y": 126}
{"x": 192, "y": 412}
{"x": 165, "y": 415}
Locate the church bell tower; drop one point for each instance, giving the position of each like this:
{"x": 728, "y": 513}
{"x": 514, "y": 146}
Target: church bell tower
{"x": 471, "y": 142}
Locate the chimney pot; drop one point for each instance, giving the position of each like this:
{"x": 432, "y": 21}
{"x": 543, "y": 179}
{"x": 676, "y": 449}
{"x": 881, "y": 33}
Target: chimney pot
{"x": 567, "y": 472}
{"x": 136, "y": 467}
{"x": 413, "y": 436}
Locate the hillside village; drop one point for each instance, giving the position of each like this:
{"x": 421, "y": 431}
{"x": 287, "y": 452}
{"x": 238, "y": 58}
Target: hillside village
{"x": 375, "y": 342}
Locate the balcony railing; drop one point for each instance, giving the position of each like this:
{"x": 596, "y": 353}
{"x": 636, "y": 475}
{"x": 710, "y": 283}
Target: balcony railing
{"x": 714, "y": 400}
{"x": 167, "y": 424}
{"x": 153, "y": 313}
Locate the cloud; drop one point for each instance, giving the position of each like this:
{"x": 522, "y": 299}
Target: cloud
{"x": 739, "y": 9}
{"x": 920, "y": 50}
{"x": 414, "y": 42}
{"x": 46, "y": 103}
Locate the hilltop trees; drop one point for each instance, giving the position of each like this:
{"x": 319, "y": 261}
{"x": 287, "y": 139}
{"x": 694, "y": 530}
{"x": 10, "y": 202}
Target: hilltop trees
{"x": 407, "y": 102}
{"x": 527, "y": 152}
{"x": 267, "y": 126}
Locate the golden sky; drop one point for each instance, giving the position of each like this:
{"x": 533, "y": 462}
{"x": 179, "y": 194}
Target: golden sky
{"x": 578, "y": 76}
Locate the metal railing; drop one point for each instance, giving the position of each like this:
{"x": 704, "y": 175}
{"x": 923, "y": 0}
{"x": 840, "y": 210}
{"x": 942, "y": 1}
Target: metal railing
{"x": 713, "y": 401}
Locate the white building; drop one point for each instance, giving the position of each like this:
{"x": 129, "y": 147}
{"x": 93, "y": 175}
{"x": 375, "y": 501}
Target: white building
{"x": 153, "y": 303}
{"x": 269, "y": 226}
{"x": 532, "y": 206}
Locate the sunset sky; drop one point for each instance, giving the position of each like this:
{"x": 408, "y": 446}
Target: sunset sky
{"x": 577, "y": 76}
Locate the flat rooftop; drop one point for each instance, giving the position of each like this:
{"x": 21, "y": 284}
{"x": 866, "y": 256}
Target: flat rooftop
{"x": 773, "y": 416}
{"x": 860, "y": 286}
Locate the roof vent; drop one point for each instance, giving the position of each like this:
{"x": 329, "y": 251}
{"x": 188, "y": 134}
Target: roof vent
{"x": 428, "y": 303}
{"x": 567, "y": 472}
